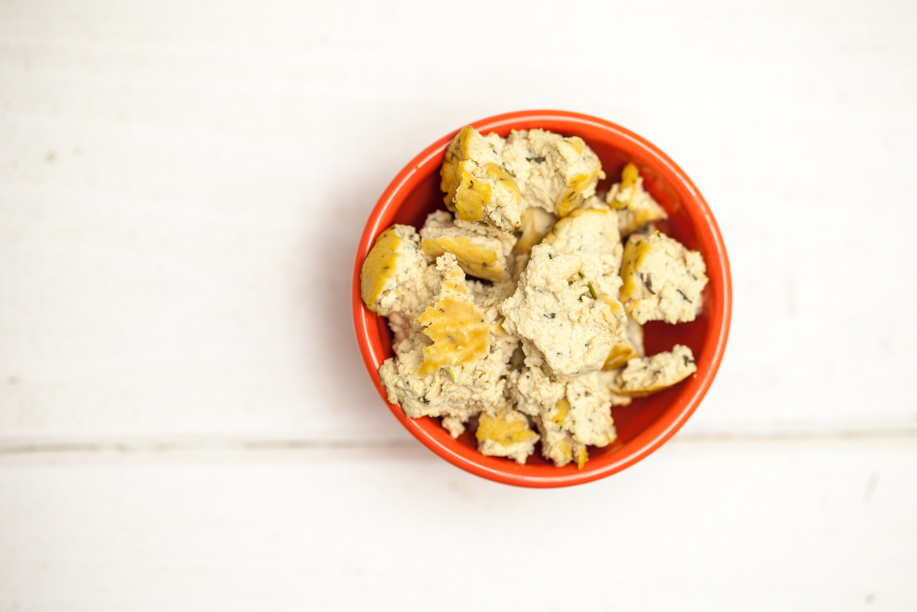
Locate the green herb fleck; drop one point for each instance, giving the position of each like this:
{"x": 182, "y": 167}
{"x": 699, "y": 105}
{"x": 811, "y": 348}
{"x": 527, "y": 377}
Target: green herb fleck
{"x": 684, "y": 296}
{"x": 451, "y": 373}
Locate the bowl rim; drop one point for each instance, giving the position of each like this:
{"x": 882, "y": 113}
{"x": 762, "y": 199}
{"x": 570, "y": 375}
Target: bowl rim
{"x": 658, "y": 432}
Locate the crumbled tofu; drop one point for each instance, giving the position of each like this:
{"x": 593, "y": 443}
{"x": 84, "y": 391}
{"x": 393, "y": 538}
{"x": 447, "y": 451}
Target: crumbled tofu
{"x": 457, "y": 392}
{"x": 590, "y": 410}
{"x": 505, "y": 432}
{"x": 592, "y": 235}
{"x": 481, "y": 250}
{"x": 477, "y": 186}
{"x": 556, "y": 308}
{"x": 458, "y": 329}
{"x": 636, "y": 207}
{"x": 536, "y": 224}
{"x": 553, "y": 172}
{"x": 523, "y": 314}
{"x": 628, "y": 337}
{"x": 663, "y": 280}
{"x": 646, "y": 375}
{"x": 557, "y": 443}
{"x": 533, "y": 392}
{"x": 392, "y": 276}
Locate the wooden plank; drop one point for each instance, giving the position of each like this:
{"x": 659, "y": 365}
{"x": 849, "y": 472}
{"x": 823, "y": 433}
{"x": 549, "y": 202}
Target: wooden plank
{"x": 181, "y": 197}
{"x": 808, "y": 525}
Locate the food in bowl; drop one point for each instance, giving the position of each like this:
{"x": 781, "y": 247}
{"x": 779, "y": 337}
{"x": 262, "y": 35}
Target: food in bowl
{"x": 519, "y": 313}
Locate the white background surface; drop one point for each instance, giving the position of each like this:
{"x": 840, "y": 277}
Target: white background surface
{"x": 185, "y": 423}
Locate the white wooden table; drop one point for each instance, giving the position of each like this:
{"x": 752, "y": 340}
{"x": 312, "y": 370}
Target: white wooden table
{"x": 185, "y": 423}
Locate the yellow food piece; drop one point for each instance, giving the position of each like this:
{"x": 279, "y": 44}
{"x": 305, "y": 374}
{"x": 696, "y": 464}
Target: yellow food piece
{"x": 458, "y": 328}
{"x": 470, "y": 180}
{"x": 564, "y": 223}
{"x": 630, "y": 175}
{"x": 561, "y": 411}
{"x": 647, "y": 375}
{"x": 504, "y": 427}
{"x": 582, "y": 455}
{"x": 623, "y": 350}
{"x": 574, "y": 142}
{"x": 470, "y": 196}
{"x": 456, "y": 152}
{"x": 536, "y": 224}
{"x": 634, "y": 253}
{"x": 379, "y": 266}
{"x": 474, "y": 260}
{"x": 633, "y": 198}
{"x": 573, "y": 198}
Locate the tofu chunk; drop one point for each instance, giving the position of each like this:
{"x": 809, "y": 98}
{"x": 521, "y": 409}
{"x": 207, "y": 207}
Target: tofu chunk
{"x": 663, "y": 280}
{"x": 456, "y": 393}
{"x": 635, "y": 206}
{"x": 592, "y": 235}
{"x": 556, "y": 309}
{"x": 646, "y": 375}
{"x": 505, "y": 432}
{"x": 457, "y": 328}
{"x": 481, "y": 250}
{"x": 392, "y": 276}
{"x": 553, "y": 172}
{"x": 477, "y": 186}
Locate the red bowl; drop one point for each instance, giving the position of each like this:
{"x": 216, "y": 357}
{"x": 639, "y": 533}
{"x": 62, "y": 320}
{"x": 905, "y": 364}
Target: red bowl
{"x": 648, "y": 422}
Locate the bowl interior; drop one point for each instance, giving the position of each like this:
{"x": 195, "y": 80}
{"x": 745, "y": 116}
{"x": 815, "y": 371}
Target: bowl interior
{"x": 647, "y": 422}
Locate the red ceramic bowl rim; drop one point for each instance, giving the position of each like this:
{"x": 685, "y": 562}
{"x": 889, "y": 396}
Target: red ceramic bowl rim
{"x": 428, "y": 431}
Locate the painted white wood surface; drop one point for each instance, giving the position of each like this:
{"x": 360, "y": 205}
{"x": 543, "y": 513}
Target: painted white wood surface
{"x": 823, "y": 525}
{"x": 182, "y": 186}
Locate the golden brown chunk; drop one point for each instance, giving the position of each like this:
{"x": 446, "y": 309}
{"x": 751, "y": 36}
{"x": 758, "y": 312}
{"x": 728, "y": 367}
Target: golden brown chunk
{"x": 505, "y": 433}
{"x": 647, "y": 375}
{"x": 636, "y": 207}
{"x": 477, "y": 186}
{"x": 481, "y": 250}
{"x": 458, "y": 328}
{"x": 663, "y": 280}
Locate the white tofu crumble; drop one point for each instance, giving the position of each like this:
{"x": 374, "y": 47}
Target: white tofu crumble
{"x": 663, "y": 281}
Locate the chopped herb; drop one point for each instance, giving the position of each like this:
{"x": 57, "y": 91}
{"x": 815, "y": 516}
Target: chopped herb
{"x": 550, "y": 315}
{"x": 688, "y": 360}
{"x": 451, "y": 373}
{"x": 538, "y": 159}
{"x": 591, "y": 288}
{"x": 682, "y": 293}
{"x": 647, "y": 282}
